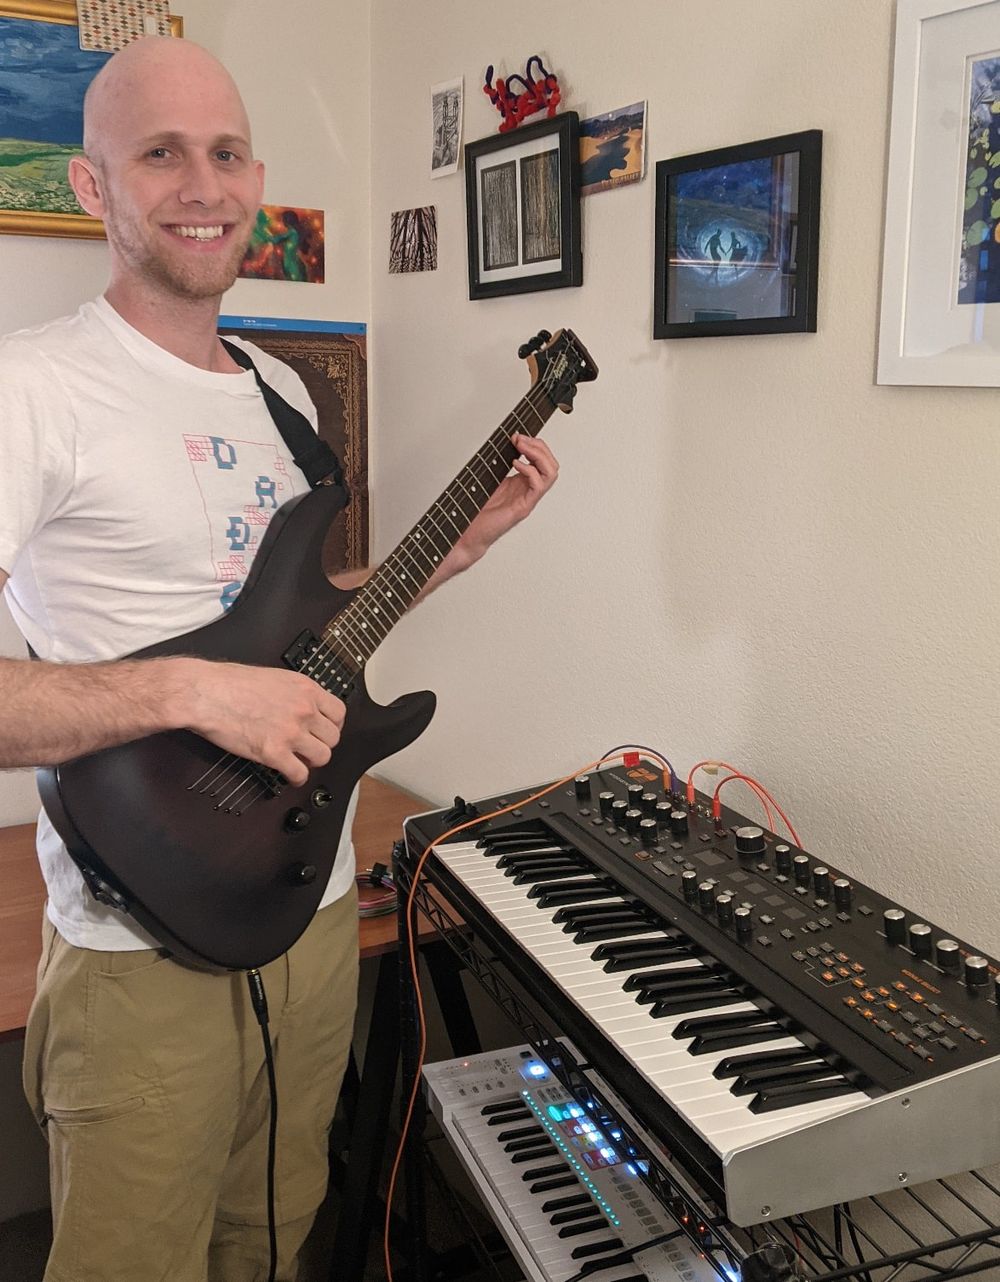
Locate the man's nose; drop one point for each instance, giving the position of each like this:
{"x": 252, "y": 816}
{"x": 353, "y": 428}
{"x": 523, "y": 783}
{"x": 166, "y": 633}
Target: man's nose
{"x": 202, "y": 182}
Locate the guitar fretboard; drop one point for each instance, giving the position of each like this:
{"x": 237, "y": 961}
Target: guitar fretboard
{"x": 355, "y": 634}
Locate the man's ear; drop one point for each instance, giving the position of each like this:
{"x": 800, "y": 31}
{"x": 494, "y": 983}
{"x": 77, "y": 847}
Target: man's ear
{"x": 86, "y": 184}
{"x": 259, "y": 170}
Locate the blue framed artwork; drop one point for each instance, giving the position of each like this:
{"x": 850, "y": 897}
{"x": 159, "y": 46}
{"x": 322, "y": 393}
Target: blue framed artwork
{"x": 44, "y": 75}
{"x": 737, "y": 239}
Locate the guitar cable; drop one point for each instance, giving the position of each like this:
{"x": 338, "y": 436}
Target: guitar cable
{"x": 258, "y": 999}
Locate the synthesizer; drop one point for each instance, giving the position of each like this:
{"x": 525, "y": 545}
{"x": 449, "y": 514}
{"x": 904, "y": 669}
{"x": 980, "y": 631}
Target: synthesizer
{"x": 563, "y": 1190}
{"x": 793, "y": 1038}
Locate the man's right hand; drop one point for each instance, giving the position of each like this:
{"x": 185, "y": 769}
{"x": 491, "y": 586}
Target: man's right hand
{"x": 272, "y": 716}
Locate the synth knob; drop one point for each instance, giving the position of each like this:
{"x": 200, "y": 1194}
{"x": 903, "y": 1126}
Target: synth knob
{"x": 647, "y": 832}
{"x": 800, "y": 867}
{"x": 679, "y": 823}
{"x": 724, "y": 910}
{"x": 581, "y": 786}
{"x": 750, "y": 842}
{"x": 743, "y": 918}
{"x": 977, "y": 971}
{"x": 618, "y": 809}
{"x": 689, "y": 884}
{"x": 783, "y": 859}
{"x": 604, "y": 800}
{"x": 920, "y": 939}
{"x": 662, "y": 814}
{"x": 632, "y": 820}
{"x": 821, "y": 883}
{"x": 948, "y": 955}
{"x": 634, "y": 794}
{"x": 842, "y": 892}
{"x": 648, "y": 803}
{"x": 706, "y": 896}
{"x": 894, "y": 923}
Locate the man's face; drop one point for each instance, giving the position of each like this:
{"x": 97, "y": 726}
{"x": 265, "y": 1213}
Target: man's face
{"x": 177, "y": 185}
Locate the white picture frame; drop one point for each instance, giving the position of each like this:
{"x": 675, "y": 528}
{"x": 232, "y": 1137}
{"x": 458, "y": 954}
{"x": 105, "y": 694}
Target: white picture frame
{"x": 926, "y": 335}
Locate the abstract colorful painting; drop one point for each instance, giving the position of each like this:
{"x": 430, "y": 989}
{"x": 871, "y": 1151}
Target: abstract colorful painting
{"x": 612, "y": 150}
{"x": 287, "y": 244}
{"x": 979, "y": 254}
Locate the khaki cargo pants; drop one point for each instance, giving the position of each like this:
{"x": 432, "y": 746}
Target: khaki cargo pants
{"x": 149, "y": 1080}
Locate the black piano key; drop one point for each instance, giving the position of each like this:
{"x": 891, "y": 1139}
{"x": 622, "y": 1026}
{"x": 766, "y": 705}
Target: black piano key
{"x": 596, "y": 1248}
{"x": 751, "y": 1083}
{"x": 543, "y": 1172}
{"x": 514, "y": 1115}
{"x": 560, "y": 1203}
{"x": 503, "y": 1106}
{"x": 647, "y": 978}
{"x": 554, "y": 1182}
{"x": 715, "y": 1023}
{"x": 776, "y": 1097}
{"x": 712, "y": 1043}
{"x": 595, "y": 1266}
{"x": 519, "y": 1133}
{"x": 535, "y": 1154}
{"x": 733, "y": 1065}
{"x": 660, "y": 952}
{"x": 636, "y": 950}
{"x": 570, "y": 1216}
{"x": 528, "y": 1145}
{"x": 514, "y": 865}
{"x": 555, "y": 898}
{"x": 682, "y": 1005}
{"x": 537, "y": 881}
{"x": 512, "y": 833}
{"x": 592, "y": 933}
{"x": 596, "y": 1221}
{"x": 687, "y": 986}
{"x": 577, "y": 915}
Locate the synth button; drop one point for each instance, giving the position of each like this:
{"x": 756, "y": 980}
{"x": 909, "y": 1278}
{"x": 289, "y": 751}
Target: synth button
{"x": 763, "y": 867}
{"x": 850, "y": 1001}
{"x": 884, "y": 992}
{"x": 766, "y": 919}
{"x": 935, "y": 1009}
{"x": 883, "y": 1025}
{"x": 947, "y": 1044}
{"x": 663, "y": 867}
{"x": 921, "y": 1031}
{"x": 843, "y": 972}
{"x": 825, "y": 922}
{"x": 843, "y": 916}
{"x": 812, "y": 926}
{"x": 826, "y": 959}
{"x": 922, "y": 1051}
{"x": 973, "y": 1034}
{"x": 842, "y": 957}
{"x": 828, "y": 977}
{"x": 796, "y": 956}
{"x": 910, "y": 1017}
{"x": 789, "y": 934}
{"x": 902, "y": 1037}
{"x": 859, "y": 969}
{"x": 858, "y": 983}
{"x": 704, "y": 836}
{"x": 953, "y": 1021}
{"x": 935, "y": 1027}
{"x": 764, "y": 941}
{"x": 868, "y": 995}
{"x": 813, "y": 951}
{"x": 864, "y": 910}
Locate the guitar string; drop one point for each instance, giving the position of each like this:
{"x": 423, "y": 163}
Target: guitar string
{"x": 324, "y": 658}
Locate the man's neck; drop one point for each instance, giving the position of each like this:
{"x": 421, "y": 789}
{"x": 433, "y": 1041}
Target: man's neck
{"x": 186, "y": 328}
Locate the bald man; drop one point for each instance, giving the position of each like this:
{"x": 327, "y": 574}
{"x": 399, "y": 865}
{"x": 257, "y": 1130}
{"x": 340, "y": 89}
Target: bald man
{"x": 131, "y": 437}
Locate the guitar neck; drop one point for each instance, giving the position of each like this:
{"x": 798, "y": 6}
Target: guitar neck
{"x": 355, "y": 634}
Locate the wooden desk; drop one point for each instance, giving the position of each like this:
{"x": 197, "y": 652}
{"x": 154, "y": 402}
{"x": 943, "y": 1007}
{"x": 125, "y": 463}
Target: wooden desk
{"x": 382, "y": 807}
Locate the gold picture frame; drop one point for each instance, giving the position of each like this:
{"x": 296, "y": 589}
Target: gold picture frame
{"x": 60, "y": 13}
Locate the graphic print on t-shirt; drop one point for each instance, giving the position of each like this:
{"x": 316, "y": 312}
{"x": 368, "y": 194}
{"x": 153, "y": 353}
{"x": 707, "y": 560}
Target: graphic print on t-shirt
{"x": 247, "y": 481}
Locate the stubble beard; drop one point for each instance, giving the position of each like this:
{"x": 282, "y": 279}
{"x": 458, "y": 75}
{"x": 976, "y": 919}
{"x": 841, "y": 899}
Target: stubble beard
{"x": 198, "y": 278}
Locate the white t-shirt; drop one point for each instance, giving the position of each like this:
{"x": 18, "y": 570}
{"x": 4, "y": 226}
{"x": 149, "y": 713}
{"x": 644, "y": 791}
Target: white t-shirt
{"x": 134, "y": 492}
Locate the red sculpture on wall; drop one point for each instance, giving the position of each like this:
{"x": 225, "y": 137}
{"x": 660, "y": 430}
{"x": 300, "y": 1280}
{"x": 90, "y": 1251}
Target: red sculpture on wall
{"x": 541, "y": 94}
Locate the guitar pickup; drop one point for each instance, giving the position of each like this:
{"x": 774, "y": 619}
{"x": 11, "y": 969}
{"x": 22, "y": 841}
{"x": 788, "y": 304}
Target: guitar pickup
{"x": 301, "y": 650}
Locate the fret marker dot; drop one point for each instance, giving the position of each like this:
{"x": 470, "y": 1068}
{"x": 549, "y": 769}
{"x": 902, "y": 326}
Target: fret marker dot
{"x": 336, "y": 632}
{"x": 437, "y": 558}
{"x": 453, "y": 512}
{"x": 364, "y": 625}
{"x": 474, "y": 489}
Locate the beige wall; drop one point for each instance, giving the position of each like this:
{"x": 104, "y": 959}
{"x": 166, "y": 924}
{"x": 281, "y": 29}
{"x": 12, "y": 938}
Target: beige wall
{"x": 753, "y": 552}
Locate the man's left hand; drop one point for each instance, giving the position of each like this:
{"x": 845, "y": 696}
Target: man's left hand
{"x": 514, "y": 498}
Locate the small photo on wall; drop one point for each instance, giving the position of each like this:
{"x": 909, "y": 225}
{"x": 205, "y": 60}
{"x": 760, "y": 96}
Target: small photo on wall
{"x": 287, "y": 244}
{"x": 446, "y": 127}
{"x": 413, "y": 240}
{"x": 612, "y": 149}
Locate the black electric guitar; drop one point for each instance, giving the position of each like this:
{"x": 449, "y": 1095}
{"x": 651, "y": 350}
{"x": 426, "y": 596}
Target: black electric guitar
{"x": 220, "y": 859}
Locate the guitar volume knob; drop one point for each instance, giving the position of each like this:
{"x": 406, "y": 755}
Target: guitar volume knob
{"x": 296, "y": 820}
{"x": 302, "y": 874}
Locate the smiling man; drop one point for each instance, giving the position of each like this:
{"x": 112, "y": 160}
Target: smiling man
{"x": 132, "y": 437}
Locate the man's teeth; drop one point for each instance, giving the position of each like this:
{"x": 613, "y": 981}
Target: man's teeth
{"x": 200, "y": 233}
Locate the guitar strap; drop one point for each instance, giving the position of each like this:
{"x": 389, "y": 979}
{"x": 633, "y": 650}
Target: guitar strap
{"x": 312, "y": 455}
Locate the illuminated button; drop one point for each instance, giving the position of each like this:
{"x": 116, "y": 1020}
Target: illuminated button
{"x": 892, "y": 1005}
{"x": 828, "y": 977}
{"x": 868, "y": 995}
{"x": 858, "y": 983}
{"x": 857, "y": 967}
{"x": 843, "y": 972}
{"x": 884, "y": 992}
{"x": 917, "y": 997}
{"x": 899, "y": 986}
{"x": 850, "y": 1001}
{"x": 868, "y": 1014}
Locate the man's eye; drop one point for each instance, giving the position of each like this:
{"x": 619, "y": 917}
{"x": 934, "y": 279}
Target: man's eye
{"x": 226, "y": 155}
{"x": 157, "y": 153}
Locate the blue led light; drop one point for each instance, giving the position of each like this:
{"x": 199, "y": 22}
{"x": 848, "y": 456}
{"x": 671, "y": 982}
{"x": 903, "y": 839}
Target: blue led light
{"x": 536, "y": 1069}
{"x": 555, "y": 1112}
{"x": 631, "y": 1169}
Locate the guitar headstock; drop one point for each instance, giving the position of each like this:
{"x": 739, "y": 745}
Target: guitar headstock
{"x": 557, "y": 363}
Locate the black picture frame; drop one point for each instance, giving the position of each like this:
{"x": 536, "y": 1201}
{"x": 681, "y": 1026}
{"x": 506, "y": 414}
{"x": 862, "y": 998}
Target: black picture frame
{"x": 522, "y": 204}
{"x": 737, "y": 239}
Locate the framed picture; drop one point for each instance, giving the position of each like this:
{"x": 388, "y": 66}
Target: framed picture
{"x": 737, "y": 239}
{"x": 522, "y": 194}
{"x": 940, "y": 315}
{"x": 43, "y": 76}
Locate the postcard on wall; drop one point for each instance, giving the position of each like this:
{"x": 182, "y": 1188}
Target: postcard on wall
{"x": 413, "y": 240}
{"x": 112, "y": 24}
{"x": 612, "y": 149}
{"x": 446, "y": 127}
{"x": 287, "y": 244}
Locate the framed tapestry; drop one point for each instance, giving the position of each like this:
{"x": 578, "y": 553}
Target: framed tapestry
{"x": 43, "y": 76}
{"x": 737, "y": 239}
{"x": 940, "y": 315}
{"x": 522, "y": 198}
{"x": 331, "y": 359}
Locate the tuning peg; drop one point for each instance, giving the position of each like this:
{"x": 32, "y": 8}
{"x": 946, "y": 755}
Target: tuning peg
{"x": 525, "y": 350}
{"x": 533, "y": 344}
{"x": 543, "y": 336}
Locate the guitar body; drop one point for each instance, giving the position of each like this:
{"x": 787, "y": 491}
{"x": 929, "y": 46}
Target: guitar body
{"x": 212, "y": 863}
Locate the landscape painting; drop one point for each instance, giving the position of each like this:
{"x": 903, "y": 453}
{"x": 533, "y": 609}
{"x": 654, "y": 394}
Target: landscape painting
{"x": 979, "y": 253}
{"x": 43, "y": 77}
{"x": 612, "y": 149}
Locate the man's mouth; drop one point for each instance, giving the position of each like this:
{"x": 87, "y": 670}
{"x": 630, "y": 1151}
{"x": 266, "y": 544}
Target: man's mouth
{"x": 198, "y": 233}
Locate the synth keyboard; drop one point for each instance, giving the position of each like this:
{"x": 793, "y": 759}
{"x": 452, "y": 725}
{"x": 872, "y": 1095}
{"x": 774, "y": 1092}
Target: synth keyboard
{"x": 565, "y": 1194}
{"x": 777, "y": 1026}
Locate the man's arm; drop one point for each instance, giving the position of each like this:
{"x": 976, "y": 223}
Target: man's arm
{"x": 516, "y": 496}
{"x": 52, "y": 712}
